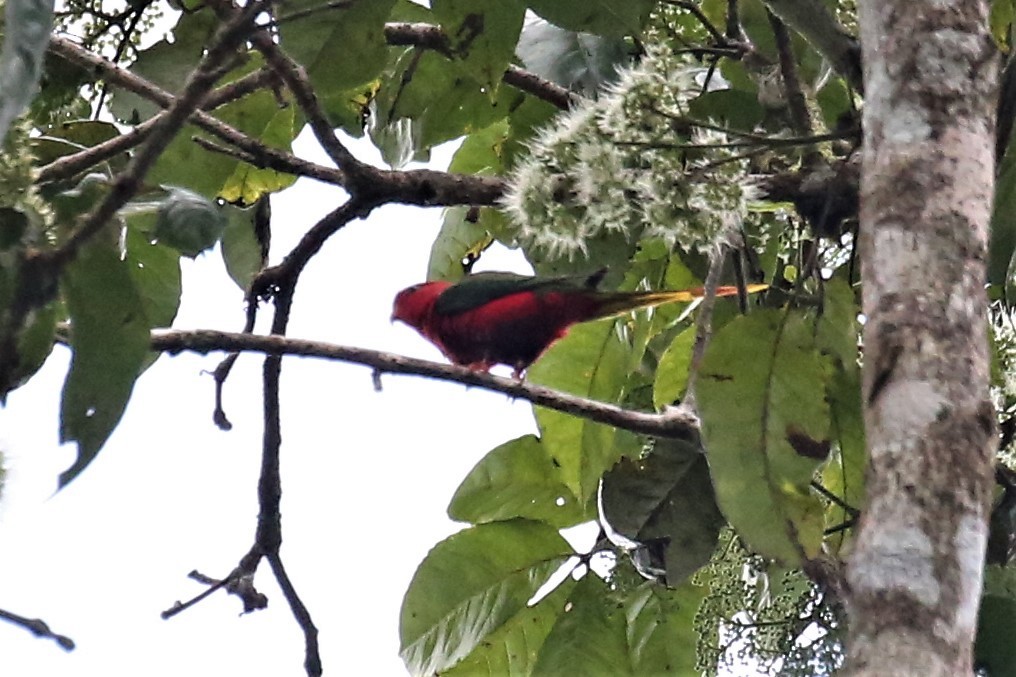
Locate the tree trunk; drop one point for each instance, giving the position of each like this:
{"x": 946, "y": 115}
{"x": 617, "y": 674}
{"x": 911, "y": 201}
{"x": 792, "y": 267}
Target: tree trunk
{"x": 914, "y": 579}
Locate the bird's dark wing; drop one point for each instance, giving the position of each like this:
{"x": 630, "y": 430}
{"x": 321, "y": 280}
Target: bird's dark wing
{"x": 474, "y": 291}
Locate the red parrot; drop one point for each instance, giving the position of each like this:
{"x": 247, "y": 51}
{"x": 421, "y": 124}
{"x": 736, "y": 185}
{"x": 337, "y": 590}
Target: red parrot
{"x": 504, "y": 318}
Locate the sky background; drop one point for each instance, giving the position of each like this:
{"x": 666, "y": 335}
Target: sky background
{"x": 366, "y": 475}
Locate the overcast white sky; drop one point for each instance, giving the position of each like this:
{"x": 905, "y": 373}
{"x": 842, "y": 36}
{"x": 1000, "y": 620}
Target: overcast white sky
{"x": 366, "y": 477}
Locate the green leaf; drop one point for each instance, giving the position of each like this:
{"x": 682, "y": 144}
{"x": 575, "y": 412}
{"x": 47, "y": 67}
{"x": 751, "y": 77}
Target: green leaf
{"x": 516, "y": 479}
{"x": 241, "y": 251}
{"x": 109, "y": 338}
{"x": 579, "y": 62}
{"x": 28, "y": 24}
{"x": 524, "y": 121}
{"x": 1000, "y": 18}
{"x": 836, "y": 336}
{"x": 274, "y": 127}
{"x": 35, "y": 338}
{"x": 442, "y": 104}
{"x": 1002, "y": 243}
{"x": 257, "y": 115}
{"x": 470, "y": 585}
{"x": 589, "y": 639}
{"x": 603, "y": 17}
{"x": 341, "y": 47}
{"x": 464, "y": 231}
{"x": 665, "y": 498}
{"x": 994, "y": 648}
{"x": 672, "y": 372}
{"x": 513, "y": 648}
{"x": 481, "y": 151}
{"x": 591, "y": 361}
{"x": 733, "y": 108}
{"x": 155, "y": 270}
{"x": 166, "y": 64}
{"x": 482, "y": 35}
{"x": 661, "y": 634}
{"x": 765, "y": 424}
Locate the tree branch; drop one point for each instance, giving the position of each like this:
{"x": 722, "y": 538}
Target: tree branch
{"x": 37, "y": 627}
{"x": 813, "y": 20}
{"x": 675, "y": 422}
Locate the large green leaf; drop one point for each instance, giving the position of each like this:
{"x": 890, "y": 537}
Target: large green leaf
{"x": 481, "y": 152}
{"x": 482, "y": 35}
{"x": 513, "y": 648}
{"x": 666, "y": 502}
{"x": 765, "y": 424}
{"x": 443, "y": 104}
{"x": 28, "y": 24}
{"x": 603, "y": 17}
{"x": 274, "y": 126}
{"x": 591, "y": 361}
{"x": 995, "y": 649}
{"x": 661, "y": 632}
{"x": 155, "y": 271}
{"x": 341, "y": 47}
{"x": 996, "y": 622}
{"x": 516, "y": 479}
{"x": 836, "y": 336}
{"x": 241, "y": 251}
{"x": 465, "y": 232}
{"x": 35, "y": 338}
{"x": 579, "y": 62}
{"x": 1002, "y": 244}
{"x": 672, "y": 372}
{"x": 167, "y": 64}
{"x": 109, "y": 337}
{"x": 258, "y": 115}
{"x": 470, "y": 585}
{"x": 590, "y": 639}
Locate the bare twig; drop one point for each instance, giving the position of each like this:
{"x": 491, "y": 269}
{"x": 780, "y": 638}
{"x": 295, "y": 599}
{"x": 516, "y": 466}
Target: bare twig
{"x": 312, "y": 662}
{"x": 797, "y": 104}
{"x": 213, "y": 586}
{"x": 37, "y": 627}
{"x": 704, "y": 322}
{"x": 677, "y": 422}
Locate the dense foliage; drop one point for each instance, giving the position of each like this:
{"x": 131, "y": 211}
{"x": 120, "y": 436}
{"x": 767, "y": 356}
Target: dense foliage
{"x": 677, "y": 143}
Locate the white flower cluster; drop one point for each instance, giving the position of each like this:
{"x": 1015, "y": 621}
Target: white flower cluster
{"x": 630, "y": 162}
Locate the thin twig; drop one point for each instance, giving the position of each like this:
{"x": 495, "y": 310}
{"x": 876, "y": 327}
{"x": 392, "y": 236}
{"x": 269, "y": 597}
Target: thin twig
{"x": 704, "y": 322}
{"x": 37, "y": 627}
{"x": 797, "y": 103}
{"x": 312, "y": 662}
{"x": 183, "y": 606}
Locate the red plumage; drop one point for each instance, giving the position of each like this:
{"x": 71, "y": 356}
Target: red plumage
{"x": 503, "y": 318}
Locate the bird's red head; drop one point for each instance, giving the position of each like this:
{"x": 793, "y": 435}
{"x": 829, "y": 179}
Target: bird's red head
{"x": 414, "y": 304}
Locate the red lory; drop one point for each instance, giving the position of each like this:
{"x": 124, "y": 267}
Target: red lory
{"x": 503, "y": 318}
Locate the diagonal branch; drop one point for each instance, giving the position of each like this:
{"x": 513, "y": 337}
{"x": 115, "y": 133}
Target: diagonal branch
{"x": 429, "y": 36}
{"x": 817, "y": 24}
{"x": 676, "y": 422}
{"x": 37, "y": 627}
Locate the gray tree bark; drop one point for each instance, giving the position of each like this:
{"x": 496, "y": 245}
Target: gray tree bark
{"x": 914, "y": 578}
